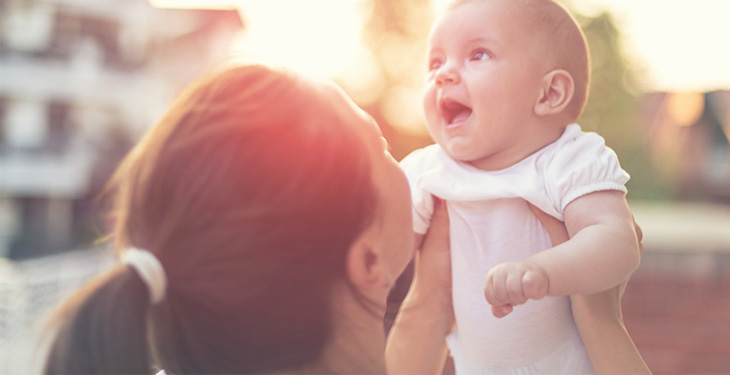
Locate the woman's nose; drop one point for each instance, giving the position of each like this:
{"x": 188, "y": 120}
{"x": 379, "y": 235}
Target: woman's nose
{"x": 447, "y": 75}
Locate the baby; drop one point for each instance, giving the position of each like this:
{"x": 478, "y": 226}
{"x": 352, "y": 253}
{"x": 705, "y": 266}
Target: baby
{"x": 507, "y": 80}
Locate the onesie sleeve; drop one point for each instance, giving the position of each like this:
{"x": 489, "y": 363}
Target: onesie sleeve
{"x": 422, "y": 202}
{"x": 580, "y": 166}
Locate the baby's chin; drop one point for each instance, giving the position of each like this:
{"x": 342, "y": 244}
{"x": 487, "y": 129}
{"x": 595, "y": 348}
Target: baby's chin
{"x": 490, "y": 162}
{"x": 457, "y": 153}
{"x": 461, "y": 147}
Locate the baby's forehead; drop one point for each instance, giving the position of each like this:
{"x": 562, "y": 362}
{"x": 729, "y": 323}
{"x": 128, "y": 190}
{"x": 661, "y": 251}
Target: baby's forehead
{"x": 544, "y": 21}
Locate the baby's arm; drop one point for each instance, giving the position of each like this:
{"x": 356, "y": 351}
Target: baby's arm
{"x": 598, "y": 317}
{"x": 602, "y": 252}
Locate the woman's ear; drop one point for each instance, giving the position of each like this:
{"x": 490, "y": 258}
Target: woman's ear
{"x": 556, "y": 92}
{"x": 366, "y": 267}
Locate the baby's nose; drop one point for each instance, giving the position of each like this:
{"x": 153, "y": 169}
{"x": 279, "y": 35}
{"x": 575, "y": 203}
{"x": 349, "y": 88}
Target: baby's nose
{"x": 446, "y": 75}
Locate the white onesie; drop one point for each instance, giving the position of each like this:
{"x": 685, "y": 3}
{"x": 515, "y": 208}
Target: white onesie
{"x": 492, "y": 223}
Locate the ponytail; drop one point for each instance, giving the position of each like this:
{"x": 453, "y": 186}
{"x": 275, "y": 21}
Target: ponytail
{"x": 102, "y": 329}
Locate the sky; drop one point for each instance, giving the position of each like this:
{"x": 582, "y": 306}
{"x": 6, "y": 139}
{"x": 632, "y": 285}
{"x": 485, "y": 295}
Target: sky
{"x": 681, "y": 45}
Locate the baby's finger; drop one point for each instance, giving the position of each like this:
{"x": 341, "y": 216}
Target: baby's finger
{"x": 639, "y": 236}
{"x": 489, "y": 290}
{"x": 501, "y": 311}
{"x": 499, "y": 286}
{"x": 514, "y": 288}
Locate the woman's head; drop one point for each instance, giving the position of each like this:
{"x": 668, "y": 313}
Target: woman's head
{"x": 252, "y": 192}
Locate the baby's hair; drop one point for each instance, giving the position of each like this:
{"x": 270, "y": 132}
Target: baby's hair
{"x": 249, "y": 191}
{"x": 560, "y": 36}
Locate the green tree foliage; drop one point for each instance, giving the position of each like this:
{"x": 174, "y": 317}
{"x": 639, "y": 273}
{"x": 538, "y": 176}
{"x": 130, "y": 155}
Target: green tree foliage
{"x": 612, "y": 108}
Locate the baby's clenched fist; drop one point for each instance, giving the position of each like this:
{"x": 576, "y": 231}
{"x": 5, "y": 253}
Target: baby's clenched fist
{"x": 510, "y": 284}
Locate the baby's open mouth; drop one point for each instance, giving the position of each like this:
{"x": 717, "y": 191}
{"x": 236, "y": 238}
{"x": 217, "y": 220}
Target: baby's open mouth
{"x": 454, "y": 112}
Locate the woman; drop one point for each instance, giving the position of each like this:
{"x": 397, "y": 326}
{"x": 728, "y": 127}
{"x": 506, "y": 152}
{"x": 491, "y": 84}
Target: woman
{"x": 271, "y": 223}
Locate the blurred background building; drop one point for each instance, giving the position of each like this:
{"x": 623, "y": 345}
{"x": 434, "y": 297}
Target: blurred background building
{"x": 80, "y": 81}
{"x": 690, "y": 133}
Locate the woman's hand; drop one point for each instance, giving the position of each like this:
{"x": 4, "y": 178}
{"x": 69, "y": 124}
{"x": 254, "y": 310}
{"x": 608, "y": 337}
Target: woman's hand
{"x": 433, "y": 259}
{"x": 417, "y": 341}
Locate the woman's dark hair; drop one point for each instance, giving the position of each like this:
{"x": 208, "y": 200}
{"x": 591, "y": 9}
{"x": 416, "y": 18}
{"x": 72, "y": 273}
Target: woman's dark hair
{"x": 249, "y": 191}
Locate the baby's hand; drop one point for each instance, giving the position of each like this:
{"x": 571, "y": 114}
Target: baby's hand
{"x": 513, "y": 283}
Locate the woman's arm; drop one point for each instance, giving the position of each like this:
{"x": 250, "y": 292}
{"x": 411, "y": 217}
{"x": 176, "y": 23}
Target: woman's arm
{"x": 416, "y": 344}
{"x": 601, "y": 325}
{"x": 599, "y": 319}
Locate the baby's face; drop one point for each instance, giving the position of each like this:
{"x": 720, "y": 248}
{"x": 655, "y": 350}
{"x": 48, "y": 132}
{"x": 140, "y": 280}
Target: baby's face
{"x": 483, "y": 82}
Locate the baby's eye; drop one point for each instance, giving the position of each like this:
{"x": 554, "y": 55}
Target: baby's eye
{"x": 480, "y": 54}
{"x": 434, "y": 64}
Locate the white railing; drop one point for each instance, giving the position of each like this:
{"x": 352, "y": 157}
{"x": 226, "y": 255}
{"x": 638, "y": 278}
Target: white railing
{"x": 29, "y": 291}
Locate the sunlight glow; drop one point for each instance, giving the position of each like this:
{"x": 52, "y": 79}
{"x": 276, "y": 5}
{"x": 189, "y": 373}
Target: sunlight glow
{"x": 193, "y": 4}
{"x": 316, "y": 37}
{"x": 680, "y": 45}
{"x": 320, "y": 38}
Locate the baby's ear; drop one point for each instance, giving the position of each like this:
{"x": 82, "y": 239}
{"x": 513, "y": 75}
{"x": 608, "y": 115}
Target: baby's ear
{"x": 556, "y": 92}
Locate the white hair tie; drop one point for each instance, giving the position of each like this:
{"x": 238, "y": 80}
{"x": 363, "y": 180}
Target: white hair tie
{"x": 150, "y": 271}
